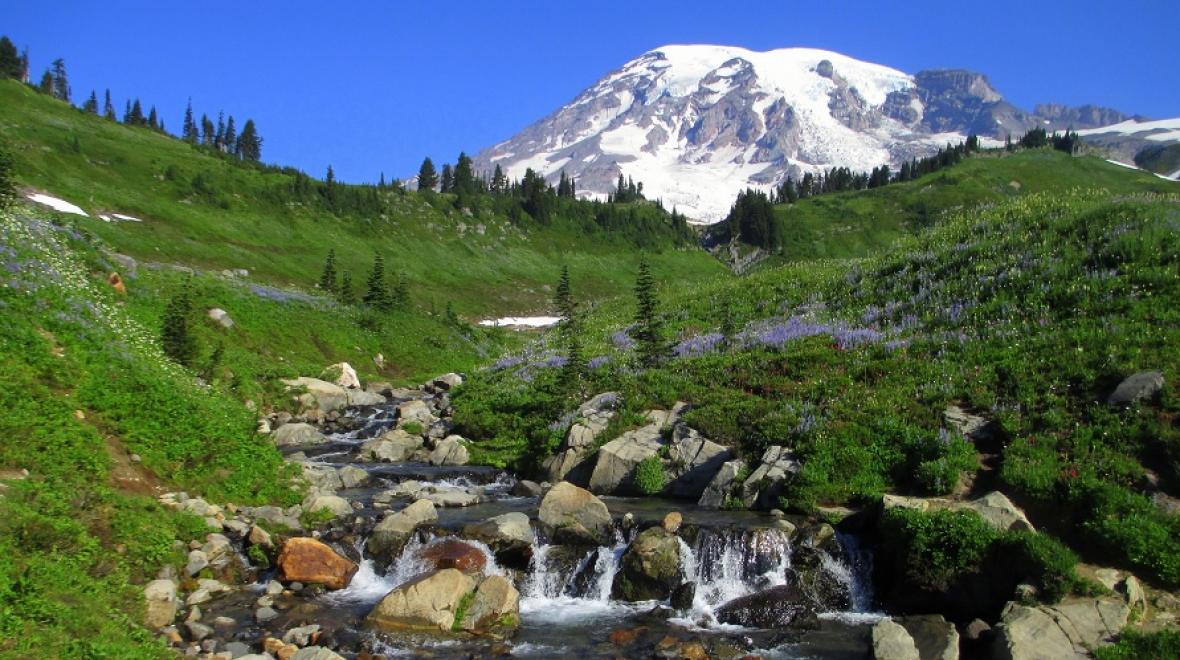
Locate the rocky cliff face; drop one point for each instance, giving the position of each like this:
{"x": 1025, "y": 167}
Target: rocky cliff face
{"x": 697, "y": 124}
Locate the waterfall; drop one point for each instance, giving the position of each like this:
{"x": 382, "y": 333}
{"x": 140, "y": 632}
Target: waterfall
{"x": 858, "y": 571}
{"x": 731, "y": 563}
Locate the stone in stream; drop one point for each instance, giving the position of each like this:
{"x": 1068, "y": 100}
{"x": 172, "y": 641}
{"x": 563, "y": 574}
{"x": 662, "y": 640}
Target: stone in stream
{"x": 683, "y": 596}
{"x": 451, "y": 450}
{"x": 649, "y": 568}
{"x": 447, "y": 382}
{"x": 428, "y": 602}
{"x": 723, "y": 485}
{"x": 615, "y": 469}
{"x": 415, "y": 412}
{"x": 298, "y": 434}
{"x": 574, "y": 515}
{"x": 935, "y": 637}
{"x": 322, "y": 478}
{"x": 392, "y": 447}
{"x": 390, "y": 535}
{"x": 358, "y": 398}
{"x": 307, "y": 560}
{"x": 161, "y": 603}
{"x": 526, "y": 488}
{"x": 338, "y": 506}
{"x": 452, "y": 553}
{"x": 319, "y": 394}
{"x": 316, "y": 653}
{"x": 891, "y": 641}
{"x": 343, "y": 374}
{"x": 509, "y": 535}
{"x": 352, "y": 476}
{"x": 496, "y": 607}
{"x": 777, "y": 607}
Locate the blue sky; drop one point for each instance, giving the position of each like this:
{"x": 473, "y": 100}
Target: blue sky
{"x": 375, "y": 86}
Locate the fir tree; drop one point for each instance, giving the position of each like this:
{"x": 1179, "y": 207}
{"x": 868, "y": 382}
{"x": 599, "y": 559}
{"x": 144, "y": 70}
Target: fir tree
{"x": 207, "y": 131}
{"x": 175, "y": 336}
{"x": 108, "y": 108}
{"x": 345, "y": 294}
{"x": 568, "y": 332}
{"x": 7, "y": 182}
{"x": 153, "y": 120}
{"x": 376, "y": 293}
{"x": 46, "y": 86}
{"x": 328, "y": 276}
{"x": 91, "y": 104}
{"x": 400, "y": 294}
{"x": 61, "y": 84}
{"x": 447, "y": 182}
{"x": 499, "y": 181}
{"x": 249, "y": 146}
{"x": 649, "y": 330}
{"x": 188, "y": 131}
{"x": 231, "y": 136}
{"x": 11, "y": 65}
{"x": 427, "y": 177}
{"x": 464, "y": 176}
{"x": 219, "y": 136}
{"x": 728, "y": 323}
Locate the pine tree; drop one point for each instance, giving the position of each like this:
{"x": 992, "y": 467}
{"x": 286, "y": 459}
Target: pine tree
{"x": 464, "y": 176}
{"x": 175, "y": 337}
{"x": 249, "y": 146}
{"x": 345, "y": 294}
{"x": 46, "y": 86}
{"x": 649, "y": 330}
{"x": 400, "y": 294}
{"x": 728, "y": 323}
{"x": 11, "y": 65}
{"x": 376, "y": 293}
{"x": 108, "y": 108}
{"x": 328, "y": 276}
{"x": 231, "y": 136}
{"x": 153, "y": 120}
{"x": 61, "y": 84}
{"x": 568, "y": 332}
{"x": 427, "y": 177}
{"x": 91, "y": 104}
{"x": 207, "y": 131}
{"x": 7, "y": 183}
{"x": 188, "y": 131}
{"x": 447, "y": 182}
{"x": 499, "y": 181}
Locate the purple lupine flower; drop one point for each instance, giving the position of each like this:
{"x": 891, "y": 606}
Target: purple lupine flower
{"x": 896, "y": 344}
{"x": 850, "y": 337}
{"x": 596, "y": 362}
{"x": 622, "y": 340}
{"x": 564, "y": 422}
{"x": 699, "y": 345}
{"x": 551, "y": 362}
{"x": 507, "y": 362}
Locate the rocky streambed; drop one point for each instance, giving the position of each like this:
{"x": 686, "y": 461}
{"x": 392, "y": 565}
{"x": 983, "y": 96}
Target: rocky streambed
{"x": 402, "y": 549}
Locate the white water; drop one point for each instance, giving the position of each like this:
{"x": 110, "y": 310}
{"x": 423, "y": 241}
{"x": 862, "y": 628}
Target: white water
{"x": 547, "y": 596}
{"x": 732, "y": 564}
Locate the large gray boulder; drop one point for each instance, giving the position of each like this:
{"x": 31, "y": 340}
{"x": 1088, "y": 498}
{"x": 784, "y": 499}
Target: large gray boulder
{"x": 614, "y": 472}
{"x": 429, "y": 602}
{"x": 390, "y": 535}
{"x": 723, "y": 484}
{"x": 1066, "y": 630}
{"x": 415, "y": 411}
{"x": 392, "y": 447}
{"x": 935, "y": 637}
{"x": 994, "y": 507}
{"x": 777, "y": 607}
{"x": 364, "y": 398}
{"x": 451, "y": 450}
{"x": 161, "y": 603}
{"x": 891, "y": 641}
{"x": 649, "y": 568}
{"x": 496, "y": 606}
{"x": 319, "y": 394}
{"x": 762, "y": 488}
{"x": 1143, "y": 385}
{"x": 593, "y": 416}
{"x": 298, "y": 435}
{"x": 570, "y": 514}
{"x": 503, "y": 531}
{"x": 693, "y": 460}
{"x": 322, "y": 478}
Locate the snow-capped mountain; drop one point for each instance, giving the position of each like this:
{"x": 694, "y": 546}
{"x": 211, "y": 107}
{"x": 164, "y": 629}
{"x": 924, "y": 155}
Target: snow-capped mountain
{"x": 697, "y": 124}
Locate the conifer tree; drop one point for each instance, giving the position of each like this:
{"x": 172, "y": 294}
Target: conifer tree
{"x": 499, "y": 181}
{"x": 91, "y": 104}
{"x": 249, "y": 146}
{"x": 7, "y": 183}
{"x": 345, "y": 294}
{"x": 400, "y": 294}
{"x": 447, "y": 182}
{"x": 153, "y": 120}
{"x": 46, "y": 86}
{"x": 649, "y": 330}
{"x": 464, "y": 176}
{"x": 11, "y": 65}
{"x": 175, "y": 336}
{"x": 207, "y": 131}
{"x": 188, "y": 131}
{"x": 427, "y": 177}
{"x": 328, "y": 276}
{"x": 231, "y": 136}
{"x": 219, "y": 136}
{"x": 61, "y": 84}
{"x": 568, "y": 332}
{"x": 108, "y": 108}
{"x": 376, "y": 293}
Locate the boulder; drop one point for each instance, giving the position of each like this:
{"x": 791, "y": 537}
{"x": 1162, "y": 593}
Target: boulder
{"x": 496, "y": 606}
{"x": 428, "y": 602}
{"x": 302, "y": 635}
{"x": 891, "y": 641}
{"x": 453, "y": 553}
{"x": 298, "y": 435}
{"x": 344, "y": 375}
{"x": 508, "y": 531}
{"x": 693, "y": 461}
{"x": 390, "y": 535}
{"x": 683, "y": 596}
{"x": 649, "y": 568}
{"x": 449, "y": 451}
{"x": 574, "y": 515}
{"x": 221, "y": 317}
{"x": 339, "y": 506}
{"x": 316, "y": 653}
{"x": 450, "y": 496}
{"x": 447, "y": 382}
{"x": 1065, "y": 630}
{"x": 526, "y": 488}
{"x": 723, "y": 484}
{"x": 161, "y": 603}
{"x": 352, "y": 476}
{"x": 971, "y": 426}
{"x": 1000, "y": 512}
{"x": 776, "y": 607}
{"x": 1143, "y": 385}
{"x": 358, "y": 398}
{"x": 672, "y": 522}
{"x": 307, "y": 560}
{"x": 322, "y": 478}
{"x": 260, "y": 537}
{"x": 320, "y": 395}
{"x": 935, "y": 637}
{"x": 593, "y": 416}
{"x": 415, "y": 411}
{"x": 764, "y": 485}
{"x": 617, "y": 459}
{"x": 392, "y": 447}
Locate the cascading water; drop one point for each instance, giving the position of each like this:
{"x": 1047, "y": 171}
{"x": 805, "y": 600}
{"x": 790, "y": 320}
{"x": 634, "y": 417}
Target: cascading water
{"x": 731, "y": 563}
{"x": 558, "y": 590}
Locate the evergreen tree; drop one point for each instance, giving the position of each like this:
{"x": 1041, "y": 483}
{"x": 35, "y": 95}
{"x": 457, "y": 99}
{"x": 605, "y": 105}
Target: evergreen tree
{"x": 328, "y": 276}
{"x": 219, "y": 136}
{"x": 463, "y": 182}
{"x": 400, "y": 294}
{"x": 447, "y": 183}
{"x": 568, "y": 332}
{"x": 207, "y": 131}
{"x": 7, "y": 182}
{"x": 153, "y": 120}
{"x": 46, "y": 86}
{"x": 249, "y": 146}
{"x": 135, "y": 114}
{"x": 231, "y": 136}
{"x": 376, "y": 293}
{"x": 499, "y": 181}
{"x": 649, "y": 330}
{"x": 91, "y": 104}
{"x": 381, "y": 181}
{"x": 728, "y": 323}
{"x": 188, "y": 131}
{"x": 175, "y": 336}
{"x": 61, "y": 84}
{"x": 11, "y": 65}
{"x": 108, "y": 108}
{"x": 427, "y": 177}
{"x": 346, "y": 295}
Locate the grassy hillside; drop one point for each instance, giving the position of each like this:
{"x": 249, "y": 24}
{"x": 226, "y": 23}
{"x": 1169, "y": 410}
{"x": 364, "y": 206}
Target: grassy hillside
{"x": 215, "y": 213}
{"x": 1030, "y": 311}
{"x": 855, "y": 224}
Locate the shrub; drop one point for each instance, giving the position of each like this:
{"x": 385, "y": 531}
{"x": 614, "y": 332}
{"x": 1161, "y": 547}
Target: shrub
{"x": 1040, "y": 560}
{"x": 649, "y": 476}
{"x": 937, "y": 548}
{"x": 1133, "y": 644}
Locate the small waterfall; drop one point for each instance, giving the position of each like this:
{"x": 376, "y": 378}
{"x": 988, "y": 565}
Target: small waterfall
{"x": 858, "y": 569}
{"x": 731, "y": 563}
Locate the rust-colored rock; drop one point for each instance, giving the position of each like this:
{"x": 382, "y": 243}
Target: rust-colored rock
{"x": 672, "y": 522}
{"x": 625, "y": 636}
{"x": 455, "y": 554}
{"x": 312, "y": 562}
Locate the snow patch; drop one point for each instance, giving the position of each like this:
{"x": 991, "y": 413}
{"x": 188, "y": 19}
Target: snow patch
{"x": 57, "y": 204}
{"x": 522, "y": 322}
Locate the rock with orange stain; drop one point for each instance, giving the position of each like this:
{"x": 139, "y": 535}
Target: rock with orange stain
{"x": 309, "y": 561}
{"x": 455, "y": 554}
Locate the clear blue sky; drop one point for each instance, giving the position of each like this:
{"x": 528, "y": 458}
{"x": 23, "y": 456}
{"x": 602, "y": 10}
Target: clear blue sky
{"x": 375, "y": 86}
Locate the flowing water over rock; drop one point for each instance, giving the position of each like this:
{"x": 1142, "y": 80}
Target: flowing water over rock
{"x": 565, "y": 604}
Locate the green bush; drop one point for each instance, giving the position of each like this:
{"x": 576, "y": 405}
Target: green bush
{"x": 1134, "y": 645}
{"x": 649, "y": 476}
{"x": 1041, "y": 561}
{"x": 937, "y": 548}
